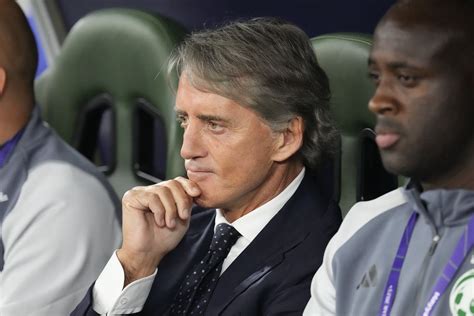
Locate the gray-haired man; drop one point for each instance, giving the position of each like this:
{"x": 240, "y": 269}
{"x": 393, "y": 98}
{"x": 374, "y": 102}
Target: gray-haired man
{"x": 253, "y": 104}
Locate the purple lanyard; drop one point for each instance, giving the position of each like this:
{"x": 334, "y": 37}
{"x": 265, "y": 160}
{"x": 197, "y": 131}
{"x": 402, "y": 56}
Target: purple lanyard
{"x": 464, "y": 245}
{"x": 8, "y": 147}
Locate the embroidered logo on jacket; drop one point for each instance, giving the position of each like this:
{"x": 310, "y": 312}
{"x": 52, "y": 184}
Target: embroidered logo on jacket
{"x": 3, "y": 197}
{"x": 369, "y": 279}
{"x": 461, "y": 298}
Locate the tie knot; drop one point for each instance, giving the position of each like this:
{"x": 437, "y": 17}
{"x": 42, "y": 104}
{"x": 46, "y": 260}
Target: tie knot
{"x": 224, "y": 238}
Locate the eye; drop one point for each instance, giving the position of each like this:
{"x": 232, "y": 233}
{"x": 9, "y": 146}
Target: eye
{"x": 182, "y": 120}
{"x": 408, "y": 80}
{"x": 374, "y": 76}
{"x": 214, "y": 127}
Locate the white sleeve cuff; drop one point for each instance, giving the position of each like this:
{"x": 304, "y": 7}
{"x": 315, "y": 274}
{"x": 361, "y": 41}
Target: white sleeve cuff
{"x": 108, "y": 296}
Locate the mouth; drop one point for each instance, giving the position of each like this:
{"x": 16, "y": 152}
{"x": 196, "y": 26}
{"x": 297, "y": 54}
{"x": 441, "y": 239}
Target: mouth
{"x": 388, "y": 133}
{"x": 197, "y": 174}
{"x": 386, "y": 140}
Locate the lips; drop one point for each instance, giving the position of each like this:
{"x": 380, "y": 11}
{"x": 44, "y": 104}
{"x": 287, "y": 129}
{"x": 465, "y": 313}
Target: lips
{"x": 196, "y": 172}
{"x": 195, "y": 169}
{"x": 388, "y": 133}
{"x": 198, "y": 176}
{"x": 386, "y": 140}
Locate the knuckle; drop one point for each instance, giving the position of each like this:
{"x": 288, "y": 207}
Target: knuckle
{"x": 132, "y": 192}
{"x": 129, "y": 194}
{"x": 137, "y": 188}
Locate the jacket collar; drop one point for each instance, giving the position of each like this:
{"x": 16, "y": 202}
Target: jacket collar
{"x": 441, "y": 207}
{"x": 268, "y": 249}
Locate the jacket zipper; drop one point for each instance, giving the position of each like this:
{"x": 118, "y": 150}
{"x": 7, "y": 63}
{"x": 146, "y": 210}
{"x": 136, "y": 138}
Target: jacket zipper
{"x": 421, "y": 278}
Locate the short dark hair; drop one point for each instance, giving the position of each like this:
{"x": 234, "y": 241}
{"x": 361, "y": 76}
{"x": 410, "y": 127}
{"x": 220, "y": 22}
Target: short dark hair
{"x": 453, "y": 16}
{"x": 269, "y": 66}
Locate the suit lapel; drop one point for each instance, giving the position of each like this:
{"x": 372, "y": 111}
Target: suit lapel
{"x": 267, "y": 250}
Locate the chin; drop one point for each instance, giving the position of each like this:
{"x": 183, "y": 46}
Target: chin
{"x": 204, "y": 200}
{"x": 397, "y": 166}
{"x": 212, "y": 200}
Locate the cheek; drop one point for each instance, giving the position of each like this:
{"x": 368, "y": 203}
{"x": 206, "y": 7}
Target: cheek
{"x": 241, "y": 148}
{"x": 236, "y": 162}
{"x": 238, "y": 169}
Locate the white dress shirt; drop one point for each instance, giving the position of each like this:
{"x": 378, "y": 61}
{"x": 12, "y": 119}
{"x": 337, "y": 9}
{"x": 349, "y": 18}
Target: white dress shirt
{"x": 110, "y": 299}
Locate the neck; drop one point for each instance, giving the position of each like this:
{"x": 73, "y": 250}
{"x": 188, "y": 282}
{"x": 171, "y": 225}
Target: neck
{"x": 461, "y": 177}
{"x": 278, "y": 178}
{"x": 13, "y": 117}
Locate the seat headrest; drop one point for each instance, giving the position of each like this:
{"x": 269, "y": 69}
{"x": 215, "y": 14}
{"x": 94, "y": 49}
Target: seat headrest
{"x": 121, "y": 56}
{"x": 344, "y": 56}
{"x": 121, "y": 52}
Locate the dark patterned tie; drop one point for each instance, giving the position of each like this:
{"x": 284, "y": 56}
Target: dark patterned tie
{"x": 196, "y": 289}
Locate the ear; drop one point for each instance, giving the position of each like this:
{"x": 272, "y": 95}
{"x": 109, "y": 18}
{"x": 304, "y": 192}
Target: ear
{"x": 290, "y": 140}
{"x": 3, "y": 79}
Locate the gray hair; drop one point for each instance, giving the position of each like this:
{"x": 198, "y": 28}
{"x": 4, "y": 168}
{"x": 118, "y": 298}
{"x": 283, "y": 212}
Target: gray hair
{"x": 269, "y": 66}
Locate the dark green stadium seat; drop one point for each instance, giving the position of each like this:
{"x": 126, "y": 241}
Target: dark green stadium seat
{"x": 359, "y": 174}
{"x": 107, "y": 95}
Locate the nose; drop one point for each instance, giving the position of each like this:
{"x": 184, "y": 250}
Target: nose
{"x": 383, "y": 102}
{"x": 193, "y": 145}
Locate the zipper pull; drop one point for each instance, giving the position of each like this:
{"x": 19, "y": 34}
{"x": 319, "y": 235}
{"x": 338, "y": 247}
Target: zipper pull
{"x": 434, "y": 243}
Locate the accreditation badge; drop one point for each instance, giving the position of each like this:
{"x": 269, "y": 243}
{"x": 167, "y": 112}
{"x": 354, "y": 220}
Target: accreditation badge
{"x": 461, "y": 298}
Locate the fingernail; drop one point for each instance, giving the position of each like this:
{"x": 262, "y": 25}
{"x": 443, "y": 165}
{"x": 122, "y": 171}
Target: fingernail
{"x": 172, "y": 223}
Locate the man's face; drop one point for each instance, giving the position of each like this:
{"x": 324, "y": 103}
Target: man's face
{"x": 424, "y": 105}
{"x": 227, "y": 148}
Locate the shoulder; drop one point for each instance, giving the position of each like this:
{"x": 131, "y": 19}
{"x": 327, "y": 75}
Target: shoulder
{"x": 62, "y": 184}
{"x": 50, "y": 160}
{"x": 58, "y": 200}
{"x": 323, "y": 287}
{"x": 46, "y": 147}
{"x": 364, "y": 212}
{"x": 313, "y": 209}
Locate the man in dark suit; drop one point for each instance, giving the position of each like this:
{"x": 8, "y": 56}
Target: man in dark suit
{"x": 254, "y": 106}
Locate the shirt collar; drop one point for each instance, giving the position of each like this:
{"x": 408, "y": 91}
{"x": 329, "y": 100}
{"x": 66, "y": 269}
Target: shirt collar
{"x": 250, "y": 225}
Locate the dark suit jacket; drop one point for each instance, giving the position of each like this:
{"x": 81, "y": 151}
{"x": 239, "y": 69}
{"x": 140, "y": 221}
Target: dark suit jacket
{"x": 272, "y": 276}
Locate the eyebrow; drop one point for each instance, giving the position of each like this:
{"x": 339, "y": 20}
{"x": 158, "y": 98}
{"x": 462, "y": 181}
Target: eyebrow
{"x": 204, "y": 117}
{"x": 208, "y": 118}
{"x": 393, "y": 65}
{"x": 179, "y": 112}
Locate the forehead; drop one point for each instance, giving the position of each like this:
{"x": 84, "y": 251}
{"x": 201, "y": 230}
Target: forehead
{"x": 194, "y": 101}
{"x": 415, "y": 44}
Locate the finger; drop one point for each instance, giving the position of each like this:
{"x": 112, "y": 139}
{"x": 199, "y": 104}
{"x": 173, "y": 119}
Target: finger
{"x": 157, "y": 208}
{"x": 183, "y": 201}
{"x": 169, "y": 205}
{"x": 144, "y": 200}
{"x": 133, "y": 199}
{"x": 191, "y": 187}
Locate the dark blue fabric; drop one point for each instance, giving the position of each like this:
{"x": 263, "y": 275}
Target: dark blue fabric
{"x": 271, "y": 276}
{"x": 197, "y": 288}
